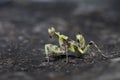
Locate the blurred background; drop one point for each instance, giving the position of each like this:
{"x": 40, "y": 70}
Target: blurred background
{"x": 23, "y": 34}
{"x": 89, "y": 15}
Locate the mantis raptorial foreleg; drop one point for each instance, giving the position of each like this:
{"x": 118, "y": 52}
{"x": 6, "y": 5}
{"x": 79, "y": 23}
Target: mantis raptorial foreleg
{"x": 86, "y": 48}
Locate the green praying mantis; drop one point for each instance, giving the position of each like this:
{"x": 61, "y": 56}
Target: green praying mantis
{"x": 67, "y": 45}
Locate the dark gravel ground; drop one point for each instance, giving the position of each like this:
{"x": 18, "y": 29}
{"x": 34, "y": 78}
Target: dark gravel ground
{"x": 23, "y": 34}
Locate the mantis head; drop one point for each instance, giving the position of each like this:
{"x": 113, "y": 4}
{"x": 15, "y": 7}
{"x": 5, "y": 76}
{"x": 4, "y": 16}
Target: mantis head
{"x": 51, "y": 31}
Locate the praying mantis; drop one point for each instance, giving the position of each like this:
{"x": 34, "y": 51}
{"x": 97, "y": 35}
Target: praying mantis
{"x": 67, "y": 45}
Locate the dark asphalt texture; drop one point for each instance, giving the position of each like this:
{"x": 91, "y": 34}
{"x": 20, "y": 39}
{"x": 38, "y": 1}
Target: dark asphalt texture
{"x": 23, "y": 34}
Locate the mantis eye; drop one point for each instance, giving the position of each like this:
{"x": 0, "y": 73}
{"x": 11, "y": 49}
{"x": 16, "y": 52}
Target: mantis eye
{"x": 51, "y": 31}
{"x": 90, "y": 43}
{"x": 78, "y": 40}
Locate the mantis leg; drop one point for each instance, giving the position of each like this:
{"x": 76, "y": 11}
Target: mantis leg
{"x": 85, "y": 50}
{"x": 49, "y": 48}
{"x": 92, "y": 42}
{"x": 66, "y": 51}
{"x": 46, "y": 51}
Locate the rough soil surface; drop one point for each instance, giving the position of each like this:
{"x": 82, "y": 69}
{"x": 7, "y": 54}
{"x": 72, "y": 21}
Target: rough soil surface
{"x": 23, "y": 34}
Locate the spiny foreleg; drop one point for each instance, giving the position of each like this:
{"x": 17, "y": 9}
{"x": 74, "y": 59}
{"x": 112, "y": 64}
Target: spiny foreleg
{"x": 87, "y": 47}
{"x": 85, "y": 50}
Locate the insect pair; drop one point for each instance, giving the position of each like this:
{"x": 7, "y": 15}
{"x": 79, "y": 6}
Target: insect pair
{"x": 67, "y": 45}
